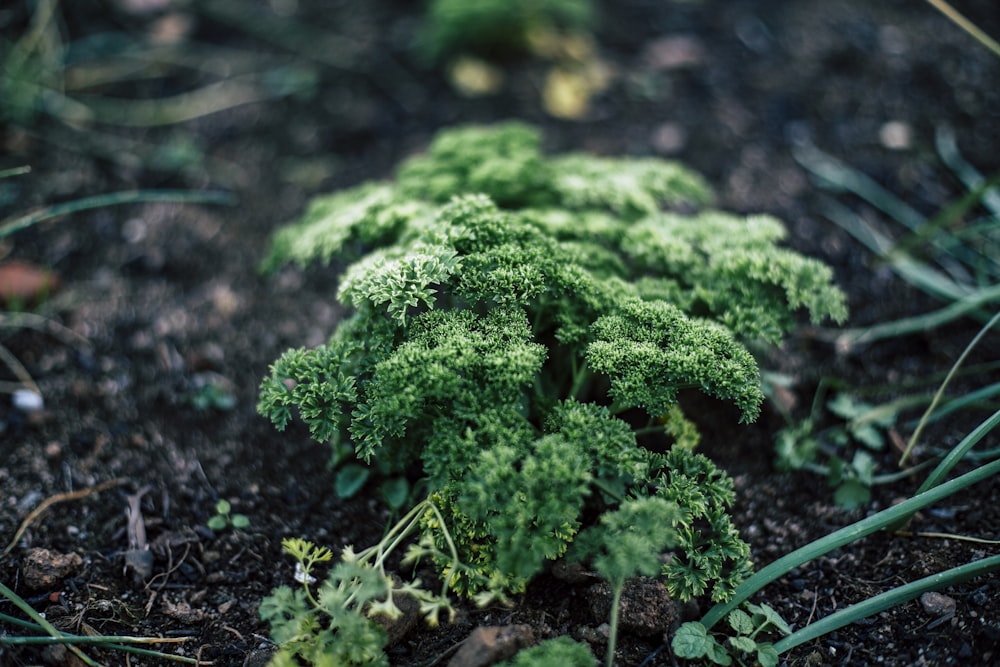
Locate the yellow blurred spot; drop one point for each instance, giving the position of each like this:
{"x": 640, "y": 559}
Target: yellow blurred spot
{"x": 474, "y": 77}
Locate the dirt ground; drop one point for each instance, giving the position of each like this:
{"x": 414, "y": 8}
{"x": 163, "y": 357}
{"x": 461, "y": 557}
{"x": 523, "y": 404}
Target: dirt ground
{"x": 161, "y": 300}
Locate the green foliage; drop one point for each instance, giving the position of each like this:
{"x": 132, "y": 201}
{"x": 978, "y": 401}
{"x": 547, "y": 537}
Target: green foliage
{"x": 511, "y": 338}
{"x": 561, "y": 651}
{"x": 845, "y": 451}
{"x": 710, "y": 558}
{"x": 336, "y": 625}
{"x": 225, "y": 518}
{"x": 496, "y": 28}
{"x": 693, "y": 641}
{"x": 211, "y": 396}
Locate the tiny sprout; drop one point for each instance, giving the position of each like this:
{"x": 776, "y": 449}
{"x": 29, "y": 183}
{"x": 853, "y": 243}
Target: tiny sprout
{"x": 224, "y": 518}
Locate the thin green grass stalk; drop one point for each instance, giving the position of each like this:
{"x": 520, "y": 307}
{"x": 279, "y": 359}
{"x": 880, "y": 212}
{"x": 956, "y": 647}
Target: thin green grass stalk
{"x": 940, "y": 392}
{"x": 14, "y": 171}
{"x": 971, "y": 398}
{"x": 917, "y": 273}
{"x": 850, "y": 338}
{"x": 884, "y": 601}
{"x": 116, "y": 642}
{"x": 840, "y": 177}
{"x": 43, "y": 624}
{"x": 950, "y": 214}
{"x": 180, "y": 108}
{"x": 959, "y": 451}
{"x": 965, "y": 24}
{"x": 19, "y": 222}
{"x": 947, "y": 148}
{"x": 844, "y": 536}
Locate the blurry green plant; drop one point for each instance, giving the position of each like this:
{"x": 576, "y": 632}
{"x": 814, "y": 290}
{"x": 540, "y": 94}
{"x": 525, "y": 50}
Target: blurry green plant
{"x": 522, "y": 328}
{"x": 340, "y": 623}
{"x": 496, "y": 29}
{"x": 561, "y": 651}
{"x": 953, "y": 256}
{"x": 211, "y": 396}
{"x": 224, "y": 517}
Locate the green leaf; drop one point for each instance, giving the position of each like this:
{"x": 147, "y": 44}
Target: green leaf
{"x": 240, "y": 521}
{"x": 742, "y": 644}
{"x": 868, "y": 435}
{"x": 852, "y": 494}
{"x": 845, "y": 406}
{"x": 767, "y": 656}
{"x": 217, "y": 523}
{"x": 863, "y": 466}
{"x": 691, "y": 641}
{"x": 222, "y": 506}
{"x": 741, "y": 622}
{"x": 765, "y": 615}
{"x": 395, "y": 491}
{"x": 350, "y": 479}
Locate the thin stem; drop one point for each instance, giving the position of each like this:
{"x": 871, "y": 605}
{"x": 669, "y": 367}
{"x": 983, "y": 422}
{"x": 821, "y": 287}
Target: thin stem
{"x": 844, "y": 536}
{"x": 940, "y": 392}
{"x": 19, "y": 602}
{"x": 965, "y": 24}
{"x": 886, "y": 600}
{"x": 17, "y": 223}
{"x": 616, "y": 598}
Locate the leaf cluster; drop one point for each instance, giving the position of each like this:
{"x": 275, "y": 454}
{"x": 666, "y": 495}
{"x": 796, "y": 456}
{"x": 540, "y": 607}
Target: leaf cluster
{"x": 518, "y": 322}
{"x": 337, "y": 624}
{"x": 496, "y": 28}
{"x": 693, "y": 641}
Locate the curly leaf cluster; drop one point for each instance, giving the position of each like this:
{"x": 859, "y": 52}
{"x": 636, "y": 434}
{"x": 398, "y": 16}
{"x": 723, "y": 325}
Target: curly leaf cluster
{"x": 514, "y": 315}
{"x": 651, "y": 349}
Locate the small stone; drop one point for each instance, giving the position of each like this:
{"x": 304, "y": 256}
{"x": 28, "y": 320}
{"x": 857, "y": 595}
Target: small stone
{"x": 53, "y": 451}
{"x": 489, "y": 645}
{"x": 260, "y": 657}
{"x": 896, "y": 135}
{"x": 937, "y": 604}
{"x": 646, "y": 608}
{"x": 27, "y": 400}
{"x": 44, "y": 569}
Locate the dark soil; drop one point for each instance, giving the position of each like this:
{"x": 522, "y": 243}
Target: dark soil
{"x": 164, "y": 299}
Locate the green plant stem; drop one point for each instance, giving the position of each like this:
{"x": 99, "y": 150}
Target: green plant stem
{"x": 844, "y": 536}
{"x": 17, "y": 223}
{"x": 19, "y": 602}
{"x": 965, "y": 24}
{"x": 959, "y": 451}
{"x": 14, "y": 171}
{"x": 947, "y": 147}
{"x": 890, "y": 598}
{"x": 846, "y": 340}
{"x": 616, "y": 599}
{"x": 940, "y": 392}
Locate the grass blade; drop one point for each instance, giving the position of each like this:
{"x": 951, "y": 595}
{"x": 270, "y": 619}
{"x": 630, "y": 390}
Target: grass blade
{"x": 17, "y": 223}
{"x": 844, "y": 536}
{"x": 883, "y": 601}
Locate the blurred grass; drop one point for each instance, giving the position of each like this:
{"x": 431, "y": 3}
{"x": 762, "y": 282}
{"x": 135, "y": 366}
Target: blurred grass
{"x": 953, "y": 256}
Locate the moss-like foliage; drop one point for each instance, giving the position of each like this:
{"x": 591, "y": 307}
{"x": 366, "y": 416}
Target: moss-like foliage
{"x": 518, "y": 321}
{"x": 496, "y": 28}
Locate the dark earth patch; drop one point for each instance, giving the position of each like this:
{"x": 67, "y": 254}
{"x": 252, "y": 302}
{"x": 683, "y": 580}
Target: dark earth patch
{"x": 164, "y": 300}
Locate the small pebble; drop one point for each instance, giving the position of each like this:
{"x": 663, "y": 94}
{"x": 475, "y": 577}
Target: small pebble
{"x": 896, "y": 135}
{"x": 937, "y": 604}
{"x": 27, "y": 400}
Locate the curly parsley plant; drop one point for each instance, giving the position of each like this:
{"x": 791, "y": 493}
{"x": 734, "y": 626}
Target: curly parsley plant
{"x": 521, "y": 327}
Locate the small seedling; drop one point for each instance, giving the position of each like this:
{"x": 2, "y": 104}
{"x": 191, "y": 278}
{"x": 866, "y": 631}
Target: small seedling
{"x": 693, "y": 641}
{"x": 224, "y": 518}
{"x": 211, "y": 396}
